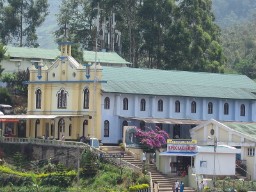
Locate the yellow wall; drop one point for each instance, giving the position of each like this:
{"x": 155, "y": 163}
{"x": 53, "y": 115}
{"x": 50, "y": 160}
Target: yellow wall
{"x": 62, "y": 72}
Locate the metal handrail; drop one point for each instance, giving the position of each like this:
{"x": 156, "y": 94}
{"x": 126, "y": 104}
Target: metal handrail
{"x": 44, "y": 142}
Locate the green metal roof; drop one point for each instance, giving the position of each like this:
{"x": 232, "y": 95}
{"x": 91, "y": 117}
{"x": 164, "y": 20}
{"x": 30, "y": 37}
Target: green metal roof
{"x": 177, "y": 83}
{"x": 244, "y": 128}
{"x": 104, "y": 57}
{"x": 32, "y": 53}
{"x": 52, "y": 54}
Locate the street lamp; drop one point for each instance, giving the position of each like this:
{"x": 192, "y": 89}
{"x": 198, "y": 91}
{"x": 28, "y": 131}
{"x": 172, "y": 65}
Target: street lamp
{"x": 215, "y": 143}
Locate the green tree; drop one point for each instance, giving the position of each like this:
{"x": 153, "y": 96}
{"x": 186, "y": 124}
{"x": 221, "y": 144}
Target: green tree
{"x": 2, "y": 56}
{"x": 89, "y": 164}
{"x": 20, "y": 18}
{"x": 192, "y": 42}
{"x": 164, "y": 34}
{"x": 154, "y": 19}
{"x": 75, "y": 23}
{"x": 5, "y": 97}
{"x": 15, "y": 82}
{"x": 239, "y": 47}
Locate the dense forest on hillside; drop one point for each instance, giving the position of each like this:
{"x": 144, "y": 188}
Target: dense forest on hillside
{"x": 200, "y": 35}
{"x": 236, "y": 19}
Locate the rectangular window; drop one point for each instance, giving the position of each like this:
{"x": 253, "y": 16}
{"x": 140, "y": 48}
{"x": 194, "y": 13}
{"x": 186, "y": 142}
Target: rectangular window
{"x": 251, "y": 152}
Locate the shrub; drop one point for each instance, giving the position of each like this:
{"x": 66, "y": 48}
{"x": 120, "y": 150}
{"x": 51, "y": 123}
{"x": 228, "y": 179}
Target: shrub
{"x": 138, "y": 187}
{"x": 57, "y": 180}
{"x": 5, "y": 96}
{"x": 7, "y": 179}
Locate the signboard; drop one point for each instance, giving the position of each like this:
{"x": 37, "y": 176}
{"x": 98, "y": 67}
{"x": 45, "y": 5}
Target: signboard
{"x": 181, "y": 145}
{"x": 111, "y": 155}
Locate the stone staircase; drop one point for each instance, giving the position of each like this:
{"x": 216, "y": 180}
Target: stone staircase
{"x": 165, "y": 183}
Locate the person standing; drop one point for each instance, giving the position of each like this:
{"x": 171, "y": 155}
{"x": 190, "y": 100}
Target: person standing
{"x": 201, "y": 186}
{"x": 177, "y": 186}
{"x": 181, "y": 186}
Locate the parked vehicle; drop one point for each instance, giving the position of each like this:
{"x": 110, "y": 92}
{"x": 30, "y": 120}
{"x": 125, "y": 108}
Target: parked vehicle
{"x": 6, "y": 109}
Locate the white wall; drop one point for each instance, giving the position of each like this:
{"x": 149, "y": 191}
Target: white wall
{"x": 224, "y": 164}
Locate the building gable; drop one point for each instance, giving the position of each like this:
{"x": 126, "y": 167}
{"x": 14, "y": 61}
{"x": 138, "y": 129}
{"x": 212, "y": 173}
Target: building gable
{"x": 225, "y": 134}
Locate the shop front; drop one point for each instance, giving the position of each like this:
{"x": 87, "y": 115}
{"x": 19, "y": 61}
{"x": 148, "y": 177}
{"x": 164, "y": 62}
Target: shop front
{"x": 178, "y": 157}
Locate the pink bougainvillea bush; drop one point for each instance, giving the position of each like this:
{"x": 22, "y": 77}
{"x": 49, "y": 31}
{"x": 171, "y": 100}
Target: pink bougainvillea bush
{"x": 151, "y": 140}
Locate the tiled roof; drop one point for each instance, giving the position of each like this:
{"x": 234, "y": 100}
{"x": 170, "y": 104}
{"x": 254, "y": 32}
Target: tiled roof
{"x": 248, "y": 129}
{"x": 177, "y": 83}
{"x": 104, "y": 57}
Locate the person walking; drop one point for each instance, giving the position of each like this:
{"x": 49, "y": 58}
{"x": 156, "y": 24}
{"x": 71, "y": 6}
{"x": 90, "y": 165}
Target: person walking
{"x": 181, "y": 186}
{"x": 177, "y": 184}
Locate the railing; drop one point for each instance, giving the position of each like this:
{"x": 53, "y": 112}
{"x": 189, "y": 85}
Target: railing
{"x": 75, "y": 144}
{"x": 47, "y": 142}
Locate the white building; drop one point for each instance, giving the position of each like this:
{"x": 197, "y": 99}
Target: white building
{"x": 241, "y": 135}
{"x": 220, "y": 163}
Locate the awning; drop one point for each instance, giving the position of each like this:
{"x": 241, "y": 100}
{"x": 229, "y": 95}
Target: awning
{"x": 166, "y": 121}
{"x": 13, "y": 117}
{"x": 186, "y": 154}
{"x": 9, "y": 120}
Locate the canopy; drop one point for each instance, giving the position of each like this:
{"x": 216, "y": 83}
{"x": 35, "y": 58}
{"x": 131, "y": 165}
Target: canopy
{"x": 166, "y": 121}
{"x": 9, "y": 120}
{"x": 188, "y": 154}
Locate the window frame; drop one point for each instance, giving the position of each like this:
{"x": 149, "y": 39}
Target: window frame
{"x": 107, "y": 103}
{"x": 125, "y": 104}
{"x": 38, "y": 98}
{"x": 193, "y": 107}
{"x": 226, "y": 109}
{"x": 251, "y": 152}
{"x": 177, "y": 106}
{"x": 106, "y": 128}
{"x": 210, "y": 108}
{"x": 142, "y": 105}
{"x": 160, "y": 105}
{"x": 86, "y": 102}
{"x": 62, "y": 99}
{"x": 242, "y": 110}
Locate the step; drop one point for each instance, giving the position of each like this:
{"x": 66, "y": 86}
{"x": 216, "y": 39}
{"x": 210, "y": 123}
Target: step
{"x": 165, "y": 181}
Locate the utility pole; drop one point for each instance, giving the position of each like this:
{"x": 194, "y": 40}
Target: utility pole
{"x": 97, "y": 24}
{"x": 78, "y": 167}
{"x": 214, "y": 162}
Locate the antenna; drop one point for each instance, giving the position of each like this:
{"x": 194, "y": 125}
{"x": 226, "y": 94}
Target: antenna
{"x": 97, "y": 24}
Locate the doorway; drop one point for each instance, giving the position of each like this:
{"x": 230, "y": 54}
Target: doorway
{"x": 61, "y": 127}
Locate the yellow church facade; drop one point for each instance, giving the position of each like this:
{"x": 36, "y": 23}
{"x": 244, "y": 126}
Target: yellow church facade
{"x": 66, "y": 98}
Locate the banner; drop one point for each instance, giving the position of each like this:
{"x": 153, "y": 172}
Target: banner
{"x": 181, "y": 145}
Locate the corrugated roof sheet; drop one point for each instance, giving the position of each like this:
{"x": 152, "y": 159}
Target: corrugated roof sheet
{"x": 245, "y": 128}
{"x": 52, "y": 54}
{"x": 32, "y": 53}
{"x": 104, "y": 57}
{"x": 177, "y": 83}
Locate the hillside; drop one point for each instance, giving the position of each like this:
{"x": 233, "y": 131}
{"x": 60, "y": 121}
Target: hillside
{"x": 227, "y": 13}
{"x": 45, "y": 32}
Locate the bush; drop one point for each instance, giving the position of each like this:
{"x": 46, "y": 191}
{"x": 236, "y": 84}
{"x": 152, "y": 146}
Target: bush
{"x": 143, "y": 179}
{"x": 5, "y": 96}
{"x": 7, "y": 179}
{"x": 138, "y": 187}
{"x": 57, "y": 180}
